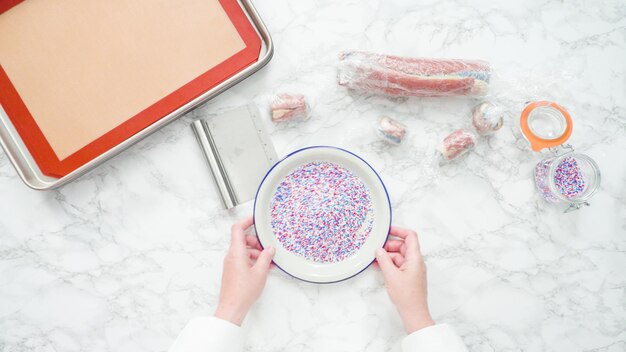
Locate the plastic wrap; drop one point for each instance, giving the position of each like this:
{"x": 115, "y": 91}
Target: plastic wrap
{"x": 391, "y": 130}
{"x": 287, "y": 107}
{"x": 487, "y": 118}
{"x": 456, "y": 144}
{"x": 420, "y": 77}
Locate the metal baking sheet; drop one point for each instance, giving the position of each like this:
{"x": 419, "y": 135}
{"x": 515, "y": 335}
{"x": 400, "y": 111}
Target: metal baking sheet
{"x": 28, "y": 170}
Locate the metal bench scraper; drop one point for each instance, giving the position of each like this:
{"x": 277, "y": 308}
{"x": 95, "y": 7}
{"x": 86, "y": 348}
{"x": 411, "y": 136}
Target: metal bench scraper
{"x": 239, "y": 152}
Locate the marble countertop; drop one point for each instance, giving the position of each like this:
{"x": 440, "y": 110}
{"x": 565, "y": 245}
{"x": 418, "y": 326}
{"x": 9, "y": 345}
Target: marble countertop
{"x": 122, "y": 258}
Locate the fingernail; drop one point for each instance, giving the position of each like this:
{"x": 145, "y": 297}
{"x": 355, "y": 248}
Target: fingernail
{"x": 380, "y": 252}
{"x": 271, "y": 250}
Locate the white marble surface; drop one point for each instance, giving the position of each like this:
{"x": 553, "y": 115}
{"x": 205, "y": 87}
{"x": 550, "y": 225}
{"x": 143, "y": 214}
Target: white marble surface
{"x": 122, "y": 258}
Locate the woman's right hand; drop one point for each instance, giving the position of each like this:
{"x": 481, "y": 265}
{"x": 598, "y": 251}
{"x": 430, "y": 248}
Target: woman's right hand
{"x": 404, "y": 271}
{"x": 246, "y": 267}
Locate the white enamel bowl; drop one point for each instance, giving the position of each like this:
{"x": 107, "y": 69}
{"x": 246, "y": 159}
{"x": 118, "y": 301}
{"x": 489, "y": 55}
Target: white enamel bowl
{"x": 307, "y": 270}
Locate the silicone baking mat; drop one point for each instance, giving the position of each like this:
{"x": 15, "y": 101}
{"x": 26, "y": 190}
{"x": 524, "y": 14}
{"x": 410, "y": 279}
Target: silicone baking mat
{"x": 78, "y": 77}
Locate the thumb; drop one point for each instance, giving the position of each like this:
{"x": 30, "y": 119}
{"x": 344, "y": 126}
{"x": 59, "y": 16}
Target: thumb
{"x": 385, "y": 262}
{"x": 265, "y": 259}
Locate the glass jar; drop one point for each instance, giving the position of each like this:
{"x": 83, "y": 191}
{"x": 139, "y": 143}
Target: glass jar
{"x": 566, "y": 177}
{"x": 570, "y": 179}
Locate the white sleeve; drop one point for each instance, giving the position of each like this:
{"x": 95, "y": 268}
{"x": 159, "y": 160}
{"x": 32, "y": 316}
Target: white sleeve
{"x": 436, "y": 338}
{"x": 209, "y": 334}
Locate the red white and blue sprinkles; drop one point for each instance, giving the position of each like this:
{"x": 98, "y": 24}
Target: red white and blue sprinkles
{"x": 568, "y": 179}
{"x": 542, "y": 172}
{"x": 322, "y": 212}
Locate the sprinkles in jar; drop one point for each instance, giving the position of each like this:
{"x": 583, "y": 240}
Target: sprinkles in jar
{"x": 571, "y": 178}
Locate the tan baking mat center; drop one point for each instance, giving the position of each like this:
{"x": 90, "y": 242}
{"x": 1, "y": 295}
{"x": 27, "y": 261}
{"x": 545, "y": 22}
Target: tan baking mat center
{"x": 82, "y": 67}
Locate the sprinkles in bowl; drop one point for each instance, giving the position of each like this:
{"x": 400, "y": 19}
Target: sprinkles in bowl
{"x": 322, "y": 212}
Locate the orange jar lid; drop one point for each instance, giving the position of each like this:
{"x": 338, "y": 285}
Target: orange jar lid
{"x": 545, "y": 124}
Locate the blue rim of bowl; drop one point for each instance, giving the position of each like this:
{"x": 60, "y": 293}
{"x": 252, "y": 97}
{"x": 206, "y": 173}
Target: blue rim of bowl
{"x": 298, "y": 151}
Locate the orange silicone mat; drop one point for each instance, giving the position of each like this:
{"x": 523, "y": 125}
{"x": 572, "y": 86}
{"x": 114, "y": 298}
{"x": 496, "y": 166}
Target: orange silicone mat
{"x": 78, "y": 77}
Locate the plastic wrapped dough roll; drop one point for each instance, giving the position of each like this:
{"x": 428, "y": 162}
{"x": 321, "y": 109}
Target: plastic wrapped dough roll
{"x": 487, "y": 118}
{"x": 456, "y": 144}
{"x": 287, "y": 107}
{"x": 421, "y": 77}
{"x": 391, "y": 130}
